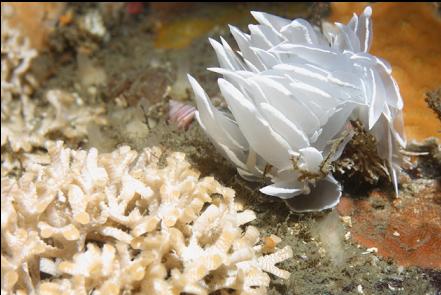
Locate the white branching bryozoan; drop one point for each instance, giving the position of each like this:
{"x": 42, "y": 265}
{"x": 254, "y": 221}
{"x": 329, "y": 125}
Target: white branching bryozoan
{"x": 85, "y": 222}
{"x": 292, "y": 93}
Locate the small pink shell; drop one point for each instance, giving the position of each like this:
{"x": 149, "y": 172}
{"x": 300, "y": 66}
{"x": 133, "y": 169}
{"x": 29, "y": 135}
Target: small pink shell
{"x": 181, "y": 114}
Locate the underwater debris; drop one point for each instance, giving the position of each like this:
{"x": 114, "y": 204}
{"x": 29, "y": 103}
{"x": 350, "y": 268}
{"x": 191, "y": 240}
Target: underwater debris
{"x": 424, "y": 159}
{"x": 433, "y": 99}
{"x": 292, "y": 92}
{"x": 119, "y": 223}
{"x": 84, "y": 29}
{"x": 360, "y": 161}
{"x": 92, "y": 23}
{"x": 151, "y": 84}
{"x": 317, "y": 12}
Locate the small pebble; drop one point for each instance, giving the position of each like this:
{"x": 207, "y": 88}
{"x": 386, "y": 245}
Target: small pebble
{"x": 370, "y": 250}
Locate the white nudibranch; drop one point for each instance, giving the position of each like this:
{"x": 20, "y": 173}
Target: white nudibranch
{"x": 291, "y": 93}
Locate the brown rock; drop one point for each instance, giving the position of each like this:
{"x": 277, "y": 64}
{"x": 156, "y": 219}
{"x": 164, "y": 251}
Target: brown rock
{"x": 148, "y": 84}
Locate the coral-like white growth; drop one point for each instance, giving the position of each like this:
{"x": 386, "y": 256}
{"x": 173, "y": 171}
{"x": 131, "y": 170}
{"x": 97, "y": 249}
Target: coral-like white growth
{"x": 26, "y": 125}
{"x": 292, "y": 93}
{"x": 118, "y": 223}
{"x": 17, "y": 56}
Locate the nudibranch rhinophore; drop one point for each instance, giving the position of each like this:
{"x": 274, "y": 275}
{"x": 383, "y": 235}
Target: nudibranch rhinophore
{"x": 292, "y": 92}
